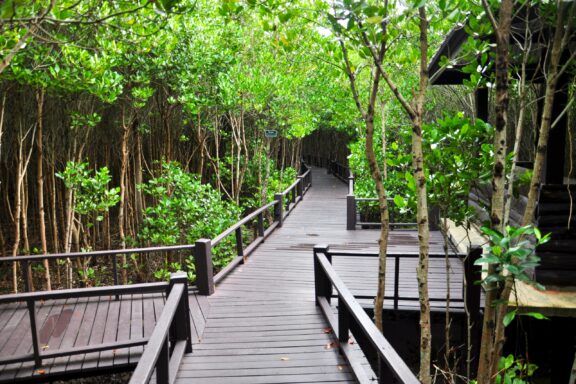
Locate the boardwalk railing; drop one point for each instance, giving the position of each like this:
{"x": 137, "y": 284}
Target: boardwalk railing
{"x": 358, "y": 209}
{"x": 351, "y": 317}
{"x": 170, "y": 339}
{"x": 30, "y": 298}
{"x": 383, "y": 359}
{"x": 282, "y": 205}
{"x": 471, "y": 292}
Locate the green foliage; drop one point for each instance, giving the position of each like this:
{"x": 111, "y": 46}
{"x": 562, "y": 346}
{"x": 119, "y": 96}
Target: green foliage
{"x": 458, "y": 159}
{"x": 92, "y": 195}
{"x": 184, "y": 209}
{"x": 512, "y": 253}
{"x": 514, "y": 371}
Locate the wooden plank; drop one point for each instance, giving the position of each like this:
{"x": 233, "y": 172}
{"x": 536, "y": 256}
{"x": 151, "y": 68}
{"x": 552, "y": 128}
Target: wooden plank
{"x": 123, "y": 329}
{"x": 83, "y": 336}
{"x": 97, "y": 335}
{"x": 136, "y": 327}
{"x": 106, "y": 358}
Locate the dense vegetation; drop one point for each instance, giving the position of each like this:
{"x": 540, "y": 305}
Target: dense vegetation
{"x": 139, "y": 123}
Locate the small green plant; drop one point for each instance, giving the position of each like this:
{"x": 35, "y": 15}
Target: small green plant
{"x": 514, "y": 371}
{"x": 513, "y": 254}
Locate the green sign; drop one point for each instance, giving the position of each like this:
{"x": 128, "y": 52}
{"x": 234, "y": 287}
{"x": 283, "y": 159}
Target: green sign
{"x": 271, "y": 133}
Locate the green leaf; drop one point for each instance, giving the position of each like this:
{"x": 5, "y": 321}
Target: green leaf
{"x": 374, "y": 19}
{"x": 509, "y": 317}
{"x": 399, "y": 201}
{"x": 536, "y": 315}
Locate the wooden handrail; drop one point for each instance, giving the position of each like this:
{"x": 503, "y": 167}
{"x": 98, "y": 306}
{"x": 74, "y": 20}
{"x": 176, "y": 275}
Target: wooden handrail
{"x": 170, "y": 339}
{"x": 30, "y": 299}
{"x": 471, "y": 298}
{"x": 202, "y": 249}
{"x": 388, "y": 365}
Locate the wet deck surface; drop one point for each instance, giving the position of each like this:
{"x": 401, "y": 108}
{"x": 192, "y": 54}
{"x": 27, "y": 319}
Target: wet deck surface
{"x": 264, "y": 326}
{"x": 261, "y": 325}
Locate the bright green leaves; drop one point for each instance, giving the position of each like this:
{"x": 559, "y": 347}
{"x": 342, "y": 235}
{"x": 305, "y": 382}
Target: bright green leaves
{"x": 184, "y": 210}
{"x": 91, "y": 192}
{"x": 514, "y": 371}
{"x": 512, "y": 253}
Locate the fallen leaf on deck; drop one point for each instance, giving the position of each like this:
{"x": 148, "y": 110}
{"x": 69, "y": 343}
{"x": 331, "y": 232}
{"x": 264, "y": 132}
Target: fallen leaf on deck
{"x": 340, "y": 368}
{"x": 351, "y": 342}
{"x": 45, "y": 347}
{"x": 40, "y": 371}
{"x": 328, "y": 330}
{"x": 284, "y": 358}
{"x": 331, "y": 345}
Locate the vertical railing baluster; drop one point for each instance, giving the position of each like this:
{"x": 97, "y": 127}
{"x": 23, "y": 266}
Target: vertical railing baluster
{"x": 239, "y": 244}
{"x": 204, "y": 266}
{"x": 278, "y": 209}
{"x": 396, "y": 280}
{"x": 33, "y": 328}
{"x": 163, "y": 364}
{"x": 343, "y": 322}
{"x": 261, "y": 224}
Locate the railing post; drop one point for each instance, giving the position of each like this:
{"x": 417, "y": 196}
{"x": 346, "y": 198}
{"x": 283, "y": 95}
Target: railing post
{"x": 343, "y": 321}
{"x": 350, "y": 183}
{"x": 163, "y": 364}
{"x": 35, "y": 347}
{"x": 396, "y": 280}
{"x": 471, "y": 274}
{"x": 300, "y": 186}
{"x": 434, "y": 218}
{"x": 322, "y": 285}
{"x": 24, "y": 270}
{"x": 261, "y": 224}
{"x": 204, "y": 267}
{"x": 239, "y": 244}
{"x": 181, "y": 328}
{"x": 279, "y": 209}
{"x": 350, "y": 212}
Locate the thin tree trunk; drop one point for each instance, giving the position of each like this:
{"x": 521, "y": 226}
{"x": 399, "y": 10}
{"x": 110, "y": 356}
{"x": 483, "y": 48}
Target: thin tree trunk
{"x": 20, "y": 175}
{"x": 559, "y": 42}
{"x": 40, "y": 182}
{"x": 126, "y": 129}
{"x": 502, "y": 31}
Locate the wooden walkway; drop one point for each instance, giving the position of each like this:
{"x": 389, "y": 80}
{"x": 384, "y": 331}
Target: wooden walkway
{"x": 263, "y": 325}
{"x": 82, "y": 322}
{"x": 260, "y": 326}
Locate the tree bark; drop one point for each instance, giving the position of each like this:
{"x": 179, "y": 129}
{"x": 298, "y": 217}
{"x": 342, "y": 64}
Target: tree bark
{"x": 40, "y": 182}
{"x": 502, "y": 31}
{"x": 559, "y": 42}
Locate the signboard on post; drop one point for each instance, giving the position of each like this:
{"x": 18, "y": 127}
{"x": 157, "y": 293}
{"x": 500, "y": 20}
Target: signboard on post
{"x": 271, "y": 133}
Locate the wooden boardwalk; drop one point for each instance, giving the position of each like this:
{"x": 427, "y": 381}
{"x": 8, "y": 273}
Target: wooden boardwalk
{"x": 82, "y": 322}
{"x": 264, "y": 326}
{"x": 260, "y": 326}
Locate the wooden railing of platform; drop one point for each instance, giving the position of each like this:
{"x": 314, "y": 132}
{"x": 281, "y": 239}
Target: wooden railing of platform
{"x": 201, "y": 250}
{"x": 351, "y": 317}
{"x": 471, "y": 291}
{"x": 170, "y": 339}
{"x": 30, "y": 298}
{"x": 282, "y": 205}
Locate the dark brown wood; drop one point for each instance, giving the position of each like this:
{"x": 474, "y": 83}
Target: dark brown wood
{"x": 375, "y": 340}
{"x": 204, "y": 267}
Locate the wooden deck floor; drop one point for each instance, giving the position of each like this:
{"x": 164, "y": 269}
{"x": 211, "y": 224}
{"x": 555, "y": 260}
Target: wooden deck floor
{"x": 81, "y": 322}
{"x": 263, "y": 325}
